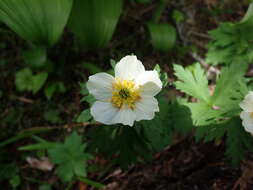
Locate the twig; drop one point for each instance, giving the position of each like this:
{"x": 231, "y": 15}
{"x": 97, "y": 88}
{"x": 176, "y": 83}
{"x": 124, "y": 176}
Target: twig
{"x": 202, "y": 35}
{"x": 25, "y": 100}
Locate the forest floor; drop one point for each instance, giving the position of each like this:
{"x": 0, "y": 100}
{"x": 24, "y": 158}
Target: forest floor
{"x": 184, "y": 165}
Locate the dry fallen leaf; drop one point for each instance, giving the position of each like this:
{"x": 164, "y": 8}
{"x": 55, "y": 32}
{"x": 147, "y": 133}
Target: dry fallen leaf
{"x": 42, "y": 164}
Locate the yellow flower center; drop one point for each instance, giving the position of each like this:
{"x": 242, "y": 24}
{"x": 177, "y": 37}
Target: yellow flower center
{"x": 125, "y": 93}
{"x": 251, "y": 114}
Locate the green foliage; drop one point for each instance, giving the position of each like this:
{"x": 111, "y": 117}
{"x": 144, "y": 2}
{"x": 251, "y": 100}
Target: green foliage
{"x": 70, "y": 157}
{"x": 232, "y": 42}
{"x": 26, "y": 80}
{"x": 178, "y": 16}
{"x": 163, "y": 36}
{"x": 238, "y": 141}
{"x": 54, "y": 87}
{"x": 40, "y": 21}
{"x": 128, "y": 145}
{"x": 45, "y": 187}
{"x": 180, "y": 117}
{"x": 162, "y": 75}
{"x": 93, "y": 22}
{"x": 35, "y": 57}
{"x": 10, "y": 172}
{"x": 53, "y": 116}
{"x": 84, "y": 116}
{"x": 217, "y": 116}
{"x": 192, "y": 81}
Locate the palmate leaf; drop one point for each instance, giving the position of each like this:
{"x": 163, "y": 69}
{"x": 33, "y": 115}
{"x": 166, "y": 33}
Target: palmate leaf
{"x": 70, "y": 157}
{"x": 232, "y": 42}
{"x": 38, "y": 21}
{"x": 228, "y": 93}
{"x": 230, "y": 88}
{"x": 93, "y": 22}
{"x": 192, "y": 81}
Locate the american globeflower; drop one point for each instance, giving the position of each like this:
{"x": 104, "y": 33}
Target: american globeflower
{"x": 247, "y": 113}
{"x": 127, "y": 97}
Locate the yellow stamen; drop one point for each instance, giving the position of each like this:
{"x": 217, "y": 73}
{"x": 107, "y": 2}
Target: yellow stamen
{"x": 251, "y": 114}
{"x": 125, "y": 93}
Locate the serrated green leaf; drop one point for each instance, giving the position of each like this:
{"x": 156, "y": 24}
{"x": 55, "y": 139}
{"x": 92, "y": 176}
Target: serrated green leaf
{"x": 70, "y": 157}
{"x": 192, "y": 82}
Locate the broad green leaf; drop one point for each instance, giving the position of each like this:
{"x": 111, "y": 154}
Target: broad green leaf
{"x": 38, "y": 21}
{"x": 38, "y": 81}
{"x": 163, "y": 36}
{"x": 192, "y": 81}
{"x": 93, "y": 22}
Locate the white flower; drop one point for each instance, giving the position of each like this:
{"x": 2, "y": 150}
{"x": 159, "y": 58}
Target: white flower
{"x": 247, "y": 113}
{"x": 127, "y": 97}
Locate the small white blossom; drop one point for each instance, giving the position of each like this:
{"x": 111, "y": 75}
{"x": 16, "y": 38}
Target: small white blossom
{"x": 247, "y": 113}
{"x": 127, "y": 97}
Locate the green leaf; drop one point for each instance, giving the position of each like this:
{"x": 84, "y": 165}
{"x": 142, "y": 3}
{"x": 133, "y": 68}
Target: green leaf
{"x": 35, "y": 57}
{"x": 50, "y": 89}
{"x": 192, "y": 81}
{"x": 180, "y": 116}
{"x": 163, "y": 36}
{"x": 84, "y": 116}
{"x": 38, "y": 81}
{"x": 40, "y": 21}
{"x": 53, "y": 116}
{"x": 70, "y": 157}
{"x": 93, "y": 22}
{"x": 45, "y": 187}
{"x": 15, "y": 181}
{"x": 178, "y": 16}
{"x": 238, "y": 141}
{"x": 92, "y": 68}
{"x": 23, "y": 79}
{"x": 230, "y": 79}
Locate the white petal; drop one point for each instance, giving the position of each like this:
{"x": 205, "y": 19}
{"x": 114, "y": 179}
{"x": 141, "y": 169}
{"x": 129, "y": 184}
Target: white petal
{"x": 103, "y": 112}
{"x": 145, "y": 108}
{"x": 247, "y": 121}
{"x": 100, "y": 86}
{"x": 128, "y": 68}
{"x": 247, "y": 103}
{"x": 150, "y": 81}
{"x": 125, "y": 116}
